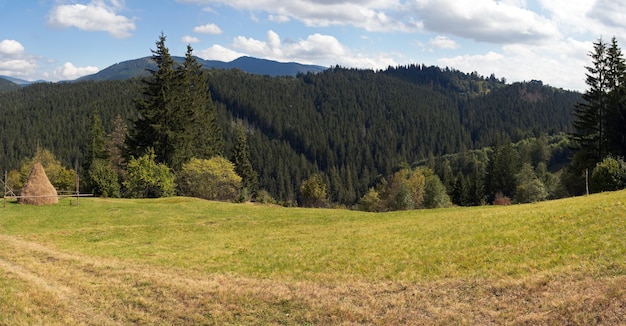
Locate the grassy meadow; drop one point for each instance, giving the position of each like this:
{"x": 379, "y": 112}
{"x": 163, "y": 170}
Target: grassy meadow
{"x": 188, "y": 261}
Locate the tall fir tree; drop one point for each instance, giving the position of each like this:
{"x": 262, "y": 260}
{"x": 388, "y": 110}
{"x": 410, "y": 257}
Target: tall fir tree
{"x": 201, "y": 132}
{"x": 600, "y": 117}
{"x": 616, "y": 93}
{"x": 177, "y": 119}
{"x": 241, "y": 158}
{"x": 115, "y": 143}
{"x": 589, "y": 114}
{"x": 99, "y": 176}
{"x": 95, "y": 146}
{"x": 156, "y": 108}
{"x": 503, "y": 166}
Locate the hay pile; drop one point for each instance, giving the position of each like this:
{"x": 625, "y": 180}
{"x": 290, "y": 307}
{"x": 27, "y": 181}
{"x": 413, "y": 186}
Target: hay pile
{"x": 38, "y": 190}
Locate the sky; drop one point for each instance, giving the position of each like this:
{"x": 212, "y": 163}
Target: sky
{"x": 519, "y": 40}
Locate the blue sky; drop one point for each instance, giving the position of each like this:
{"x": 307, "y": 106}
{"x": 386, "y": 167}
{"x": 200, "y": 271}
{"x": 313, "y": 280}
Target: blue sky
{"x": 515, "y": 39}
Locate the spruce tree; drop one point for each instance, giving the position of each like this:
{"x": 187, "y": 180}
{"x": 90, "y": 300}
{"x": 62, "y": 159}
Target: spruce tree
{"x": 600, "y": 117}
{"x": 589, "y": 115}
{"x": 115, "y": 143}
{"x": 98, "y": 175}
{"x": 176, "y": 117}
{"x": 241, "y": 158}
{"x": 200, "y": 131}
{"x": 503, "y": 166}
{"x": 157, "y": 110}
{"x": 616, "y": 93}
{"x": 95, "y": 146}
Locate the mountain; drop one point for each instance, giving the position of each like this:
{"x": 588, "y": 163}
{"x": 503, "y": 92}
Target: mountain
{"x": 272, "y": 68}
{"x": 137, "y": 68}
{"x": 6, "y": 85}
{"x": 17, "y": 81}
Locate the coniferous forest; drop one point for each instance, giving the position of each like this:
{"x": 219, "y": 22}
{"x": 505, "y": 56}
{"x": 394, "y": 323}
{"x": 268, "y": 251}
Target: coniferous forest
{"x": 349, "y": 131}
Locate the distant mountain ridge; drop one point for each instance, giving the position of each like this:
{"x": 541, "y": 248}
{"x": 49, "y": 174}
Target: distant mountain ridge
{"x": 137, "y": 68}
{"x": 16, "y": 81}
{"x": 7, "y": 86}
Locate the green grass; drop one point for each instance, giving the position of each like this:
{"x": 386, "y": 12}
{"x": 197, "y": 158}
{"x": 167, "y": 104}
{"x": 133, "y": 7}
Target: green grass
{"x": 262, "y": 241}
{"x": 569, "y": 241}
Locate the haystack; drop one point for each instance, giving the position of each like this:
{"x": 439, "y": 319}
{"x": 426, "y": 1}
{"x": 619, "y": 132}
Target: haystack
{"x": 38, "y": 190}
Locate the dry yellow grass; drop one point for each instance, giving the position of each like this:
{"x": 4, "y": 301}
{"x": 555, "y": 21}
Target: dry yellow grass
{"x": 42, "y": 283}
{"x": 53, "y": 287}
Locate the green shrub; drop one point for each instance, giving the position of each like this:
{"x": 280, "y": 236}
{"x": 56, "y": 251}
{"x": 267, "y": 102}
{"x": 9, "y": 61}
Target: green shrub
{"x": 313, "y": 191}
{"x": 147, "y": 179}
{"x": 213, "y": 179}
{"x": 608, "y": 175}
{"x": 103, "y": 180}
{"x": 529, "y": 188}
{"x": 264, "y": 197}
{"x": 370, "y": 202}
{"x": 406, "y": 190}
{"x": 435, "y": 195}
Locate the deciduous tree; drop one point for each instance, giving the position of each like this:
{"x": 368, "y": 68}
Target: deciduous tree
{"x": 213, "y": 179}
{"x": 145, "y": 178}
{"x": 313, "y": 191}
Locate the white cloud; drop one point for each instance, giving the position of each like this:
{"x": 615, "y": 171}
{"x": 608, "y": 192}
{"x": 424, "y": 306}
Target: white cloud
{"x": 609, "y": 12}
{"x": 95, "y": 16}
{"x": 208, "y": 29}
{"x": 18, "y": 67}
{"x": 371, "y": 15}
{"x": 279, "y": 18}
{"x": 443, "y": 42}
{"x": 70, "y": 72}
{"x": 485, "y": 21}
{"x": 561, "y": 65}
{"x": 315, "y": 49}
{"x": 11, "y": 48}
{"x": 14, "y": 61}
{"x": 190, "y": 39}
{"x": 218, "y": 52}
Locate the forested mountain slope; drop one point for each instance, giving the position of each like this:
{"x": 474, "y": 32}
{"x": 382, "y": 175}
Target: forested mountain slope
{"x": 6, "y": 85}
{"x": 353, "y": 125}
{"x": 137, "y": 68}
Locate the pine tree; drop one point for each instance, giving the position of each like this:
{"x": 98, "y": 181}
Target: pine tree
{"x": 600, "y": 117}
{"x": 157, "y": 110}
{"x": 115, "y": 143}
{"x": 177, "y": 118}
{"x": 96, "y": 157}
{"x": 616, "y": 94}
{"x": 503, "y": 167}
{"x": 95, "y": 147}
{"x": 590, "y": 134}
{"x": 241, "y": 158}
{"x": 201, "y": 132}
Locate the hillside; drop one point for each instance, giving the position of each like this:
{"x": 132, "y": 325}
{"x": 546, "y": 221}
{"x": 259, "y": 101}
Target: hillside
{"x": 137, "y": 68}
{"x": 7, "y": 86}
{"x": 189, "y": 261}
{"x": 17, "y": 81}
{"x": 355, "y": 126}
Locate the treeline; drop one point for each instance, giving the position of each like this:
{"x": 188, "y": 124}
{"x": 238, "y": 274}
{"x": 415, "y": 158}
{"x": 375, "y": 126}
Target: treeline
{"x": 353, "y": 127}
